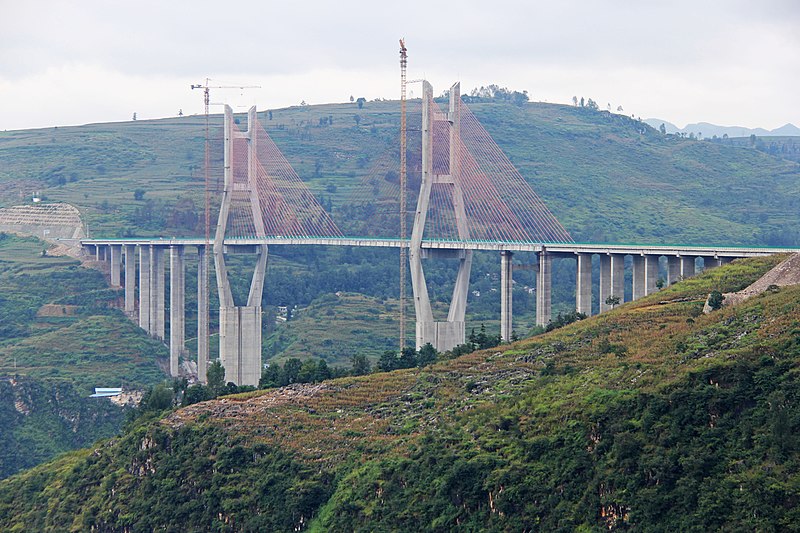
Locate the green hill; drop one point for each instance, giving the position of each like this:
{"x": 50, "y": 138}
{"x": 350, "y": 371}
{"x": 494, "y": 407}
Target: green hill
{"x": 651, "y": 417}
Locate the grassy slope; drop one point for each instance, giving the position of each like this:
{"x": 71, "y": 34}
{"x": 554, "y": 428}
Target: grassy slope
{"x": 651, "y": 416}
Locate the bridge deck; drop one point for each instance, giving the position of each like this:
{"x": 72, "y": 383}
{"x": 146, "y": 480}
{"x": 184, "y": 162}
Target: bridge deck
{"x": 558, "y": 248}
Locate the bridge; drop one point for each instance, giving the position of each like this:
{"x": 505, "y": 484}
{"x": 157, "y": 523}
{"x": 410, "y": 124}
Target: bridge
{"x": 471, "y": 198}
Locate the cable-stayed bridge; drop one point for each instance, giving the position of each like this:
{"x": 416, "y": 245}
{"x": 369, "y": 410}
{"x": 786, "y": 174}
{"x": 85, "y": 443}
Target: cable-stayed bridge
{"x": 469, "y": 197}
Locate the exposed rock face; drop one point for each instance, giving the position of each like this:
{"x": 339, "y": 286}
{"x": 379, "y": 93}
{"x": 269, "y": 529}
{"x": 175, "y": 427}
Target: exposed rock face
{"x": 50, "y": 222}
{"x": 784, "y": 274}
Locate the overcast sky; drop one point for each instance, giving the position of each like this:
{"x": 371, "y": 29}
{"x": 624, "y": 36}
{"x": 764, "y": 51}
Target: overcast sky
{"x": 729, "y": 62}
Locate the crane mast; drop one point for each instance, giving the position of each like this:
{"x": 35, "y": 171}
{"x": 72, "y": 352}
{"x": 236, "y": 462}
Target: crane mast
{"x": 403, "y": 178}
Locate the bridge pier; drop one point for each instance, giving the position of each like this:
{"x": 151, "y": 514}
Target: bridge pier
{"x": 618, "y": 276}
{"x": 687, "y": 266}
{"x": 638, "y": 277}
{"x": 144, "y": 288}
{"x": 673, "y": 269}
{"x": 116, "y": 264}
{"x": 130, "y": 280}
{"x": 506, "y": 295}
{"x": 177, "y": 303}
{"x": 650, "y": 273}
{"x": 583, "y": 284}
{"x": 544, "y": 288}
{"x": 157, "y": 292}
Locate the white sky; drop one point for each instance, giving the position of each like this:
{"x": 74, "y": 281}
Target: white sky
{"x": 729, "y": 62}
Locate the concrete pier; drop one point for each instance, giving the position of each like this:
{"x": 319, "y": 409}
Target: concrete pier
{"x": 544, "y": 288}
{"x": 506, "y": 295}
{"x": 687, "y": 266}
{"x": 177, "y": 304}
{"x": 651, "y": 273}
{"x": 583, "y": 285}
{"x": 144, "y": 288}
{"x": 157, "y": 292}
{"x": 605, "y": 281}
{"x": 116, "y": 264}
{"x": 639, "y": 277}
{"x": 130, "y": 280}
{"x": 202, "y": 313}
{"x": 673, "y": 269}
{"x": 618, "y": 276}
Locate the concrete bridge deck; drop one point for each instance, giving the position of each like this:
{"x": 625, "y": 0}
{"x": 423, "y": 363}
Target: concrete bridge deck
{"x": 676, "y": 250}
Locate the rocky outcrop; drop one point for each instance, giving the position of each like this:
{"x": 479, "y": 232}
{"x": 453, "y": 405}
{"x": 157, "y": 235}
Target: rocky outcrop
{"x": 784, "y": 274}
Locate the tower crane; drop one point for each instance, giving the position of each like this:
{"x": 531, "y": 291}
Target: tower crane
{"x": 403, "y": 178}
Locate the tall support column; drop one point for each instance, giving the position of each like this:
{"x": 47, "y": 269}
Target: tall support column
{"x": 98, "y": 254}
{"x": 583, "y": 285}
{"x": 687, "y": 266}
{"x": 144, "y": 288}
{"x": 157, "y": 292}
{"x": 544, "y": 287}
{"x": 605, "y": 281}
{"x": 618, "y": 276}
{"x": 639, "y": 277}
{"x": 177, "y": 302}
{"x": 240, "y": 326}
{"x": 130, "y": 280}
{"x": 202, "y": 313}
{"x": 116, "y": 265}
{"x": 673, "y": 269}
{"x": 443, "y": 335}
{"x": 651, "y": 273}
{"x": 506, "y": 295}
{"x": 710, "y": 262}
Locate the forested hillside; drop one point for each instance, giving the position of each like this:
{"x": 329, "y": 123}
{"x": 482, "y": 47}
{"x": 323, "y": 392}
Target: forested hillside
{"x": 651, "y": 417}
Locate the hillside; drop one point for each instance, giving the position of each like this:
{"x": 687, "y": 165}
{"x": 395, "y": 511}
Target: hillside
{"x": 651, "y": 417}
{"x": 59, "y": 338}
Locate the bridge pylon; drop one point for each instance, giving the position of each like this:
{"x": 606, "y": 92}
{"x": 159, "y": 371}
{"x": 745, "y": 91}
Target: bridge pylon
{"x": 442, "y": 334}
{"x": 240, "y": 325}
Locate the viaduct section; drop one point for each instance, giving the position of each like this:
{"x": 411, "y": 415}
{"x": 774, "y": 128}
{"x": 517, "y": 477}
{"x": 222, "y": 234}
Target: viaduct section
{"x": 143, "y": 275}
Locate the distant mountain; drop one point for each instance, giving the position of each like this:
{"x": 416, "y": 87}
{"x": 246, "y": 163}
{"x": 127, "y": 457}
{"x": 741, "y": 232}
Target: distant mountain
{"x": 708, "y": 130}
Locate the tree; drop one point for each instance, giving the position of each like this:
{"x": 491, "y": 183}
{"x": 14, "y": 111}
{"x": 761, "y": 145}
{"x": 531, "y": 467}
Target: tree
{"x": 180, "y": 112}
{"x": 591, "y": 104}
{"x": 427, "y": 355}
{"x": 360, "y": 102}
{"x": 307, "y": 371}
{"x": 408, "y": 358}
{"x": 357, "y": 119}
{"x": 575, "y": 101}
{"x": 715, "y": 300}
{"x": 134, "y": 116}
{"x": 291, "y": 370}
{"x": 138, "y": 194}
{"x": 388, "y": 361}
{"x": 322, "y": 372}
{"x": 581, "y": 101}
{"x": 360, "y": 364}
{"x": 613, "y": 301}
{"x": 216, "y": 377}
{"x": 158, "y": 398}
{"x": 352, "y": 99}
{"x": 272, "y": 376}
{"x": 663, "y": 129}
{"x": 269, "y": 114}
